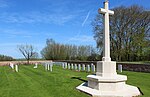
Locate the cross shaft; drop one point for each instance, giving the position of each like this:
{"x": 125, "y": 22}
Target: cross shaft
{"x": 106, "y": 40}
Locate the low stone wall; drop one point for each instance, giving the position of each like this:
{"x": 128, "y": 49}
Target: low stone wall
{"x": 3, "y": 63}
{"x": 135, "y": 67}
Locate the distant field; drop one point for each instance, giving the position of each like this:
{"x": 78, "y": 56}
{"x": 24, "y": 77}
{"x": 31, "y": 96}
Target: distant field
{"x": 30, "y": 82}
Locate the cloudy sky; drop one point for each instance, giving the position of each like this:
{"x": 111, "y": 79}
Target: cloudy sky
{"x": 34, "y": 21}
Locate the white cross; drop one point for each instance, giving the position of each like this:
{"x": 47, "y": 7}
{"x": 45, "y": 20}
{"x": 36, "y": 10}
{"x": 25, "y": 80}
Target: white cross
{"x": 106, "y": 39}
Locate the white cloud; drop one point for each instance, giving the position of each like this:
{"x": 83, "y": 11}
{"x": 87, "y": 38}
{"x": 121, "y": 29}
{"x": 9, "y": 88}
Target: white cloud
{"x": 3, "y": 4}
{"x": 36, "y": 17}
{"x": 13, "y": 33}
{"x": 82, "y": 38}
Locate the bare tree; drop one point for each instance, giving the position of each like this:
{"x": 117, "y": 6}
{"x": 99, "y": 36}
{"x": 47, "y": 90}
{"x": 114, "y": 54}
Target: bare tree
{"x": 28, "y": 51}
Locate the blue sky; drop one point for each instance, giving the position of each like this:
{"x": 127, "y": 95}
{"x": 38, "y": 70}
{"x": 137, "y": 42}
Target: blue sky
{"x": 66, "y": 21}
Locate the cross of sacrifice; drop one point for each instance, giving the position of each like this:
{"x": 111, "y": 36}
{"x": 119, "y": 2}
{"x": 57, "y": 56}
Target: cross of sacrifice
{"x": 106, "y": 41}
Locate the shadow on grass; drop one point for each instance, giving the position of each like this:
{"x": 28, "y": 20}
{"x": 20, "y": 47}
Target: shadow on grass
{"x": 140, "y": 91}
{"x": 79, "y": 78}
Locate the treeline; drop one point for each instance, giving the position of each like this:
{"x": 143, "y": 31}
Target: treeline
{"x": 129, "y": 33}
{"x": 57, "y": 51}
{"x": 6, "y": 58}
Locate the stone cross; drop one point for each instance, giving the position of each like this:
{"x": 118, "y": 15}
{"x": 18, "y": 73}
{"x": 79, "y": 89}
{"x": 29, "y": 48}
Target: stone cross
{"x": 106, "y": 41}
{"x": 107, "y": 82}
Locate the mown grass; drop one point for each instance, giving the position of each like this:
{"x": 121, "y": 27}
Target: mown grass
{"x": 30, "y": 82}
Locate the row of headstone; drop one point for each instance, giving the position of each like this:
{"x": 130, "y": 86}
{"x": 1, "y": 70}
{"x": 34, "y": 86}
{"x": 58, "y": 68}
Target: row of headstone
{"x": 48, "y": 66}
{"x": 14, "y": 67}
{"x": 79, "y": 67}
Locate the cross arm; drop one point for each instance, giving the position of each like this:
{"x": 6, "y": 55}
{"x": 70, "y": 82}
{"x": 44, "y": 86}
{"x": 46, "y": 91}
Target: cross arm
{"x": 111, "y": 12}
{"x": 103, "y": 11}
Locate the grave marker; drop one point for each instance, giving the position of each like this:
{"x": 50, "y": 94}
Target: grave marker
{"x": 79, "y": 67}
{"x": 36, "y": 65}
{"x": 93, "y": 67}
{"x": 48, "y": 66}
{"x": 65, "y": 65}
{"x": 119, "y": 68}
{"x": 51, "y": 67}
{"x": 16, "y": 68}
{"x": 72, "y": 66}
{"x": 83, "y": 67}
{"x": 75, "y": 66}
{"x": 88, "y": 68}
{"x": 68, "y": 65}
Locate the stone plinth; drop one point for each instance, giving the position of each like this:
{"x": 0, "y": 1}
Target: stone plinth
{"x": 106, "y": 68}
{"x": 106, "y": 83}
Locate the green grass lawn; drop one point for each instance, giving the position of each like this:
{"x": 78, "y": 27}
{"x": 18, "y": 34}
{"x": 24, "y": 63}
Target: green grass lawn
{"x": 30, "y": 82}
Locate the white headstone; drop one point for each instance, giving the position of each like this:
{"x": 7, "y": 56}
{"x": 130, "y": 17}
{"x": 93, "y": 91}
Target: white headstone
{"x": 88, "y": 68}
{"x": 75, "y": 66}
{"x": 83, "y": 67}
{"x": 79, "y": 67}
{"x": 119, "y": 68}
{"x": 48, "y": 66}
{"x": 72, "y": 66}
{"x": 36, "y": 65}
{"x": 68, "y": 65}
{"x": 93, "y": 67}
{"x": 45, "y": 66}
{"x": 16, "y": 67}
{"x": 65, "y": 65}
{"x": 51, "y": 67}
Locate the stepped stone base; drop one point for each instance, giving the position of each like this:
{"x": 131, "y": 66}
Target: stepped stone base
{"x": 108, "y": 87}
{"x": 107, "y": 83}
